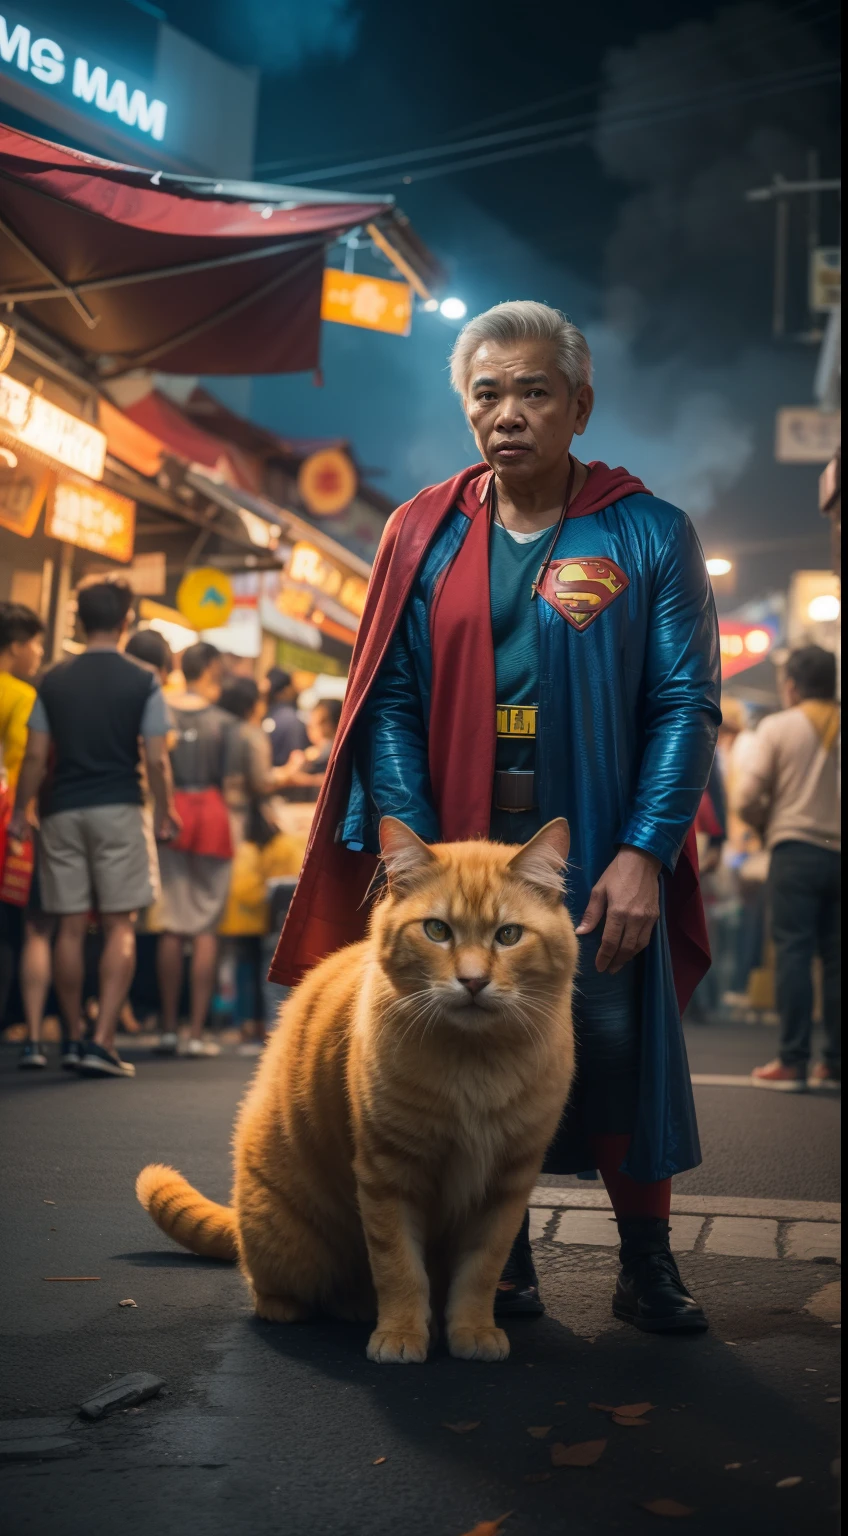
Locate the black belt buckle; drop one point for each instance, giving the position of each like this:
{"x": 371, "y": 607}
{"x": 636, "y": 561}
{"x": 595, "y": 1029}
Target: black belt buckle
{"x": 515, "y": 789}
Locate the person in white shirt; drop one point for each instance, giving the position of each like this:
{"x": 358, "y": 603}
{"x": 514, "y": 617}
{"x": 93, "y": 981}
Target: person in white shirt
{"x": 790, "y": 792}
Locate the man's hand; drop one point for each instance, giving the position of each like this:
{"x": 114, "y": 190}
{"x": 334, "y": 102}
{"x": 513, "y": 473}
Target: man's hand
{"x": 629, "y": 893}
{"x": 19, "y": 829}
{"x": 168, "y": 826}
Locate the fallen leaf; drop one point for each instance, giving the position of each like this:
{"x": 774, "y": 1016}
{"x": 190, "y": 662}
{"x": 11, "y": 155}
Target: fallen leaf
{"x": 732, "y": 1466}
{"x": 628, "y": 1423}
{"x": 378, "y": 1462}
{"x": 48, "y": 1202}
{"x": 584, "y": 1454}
{"x": 603, "y": 1407}
{"x": 538, "y": 1431}
{"x": 789, "y": 1482}
{"x": 833, "y": 1399}
{"x": 632, "y": 1410}
{"x": 536, "y": 1477}
{"x": 464, "y": 1427}
{"x": 128, "y": 1303}
{"x": 488, "y": 1527}
{"x": 69, "y": 1279}
{"x": 668, "y": 1508}
{"x": 560, "y": 1402}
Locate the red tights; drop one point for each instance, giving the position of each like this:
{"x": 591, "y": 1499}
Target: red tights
{"x": 628, "y": 1197}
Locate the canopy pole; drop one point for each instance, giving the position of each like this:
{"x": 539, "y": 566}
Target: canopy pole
{"x": 398, "y": 261}
{"x": 102, "y": 284}
{"x": 65, "y": 291}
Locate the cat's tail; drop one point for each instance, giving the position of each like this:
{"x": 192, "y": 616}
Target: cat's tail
{"x": 185, "y": 1215}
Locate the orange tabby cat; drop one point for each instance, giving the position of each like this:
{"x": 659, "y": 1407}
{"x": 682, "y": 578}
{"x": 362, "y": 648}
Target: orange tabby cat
{"x": 399, "y": 1117}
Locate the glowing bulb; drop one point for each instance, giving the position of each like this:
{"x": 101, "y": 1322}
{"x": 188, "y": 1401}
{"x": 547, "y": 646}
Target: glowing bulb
{"x": 731, "y": 645}
{"x": 757, "y": 641}
{"x": 824, "y": 608}
{"x": 431, "y": 306}
{"x": 453, "y": 309}
{"x": 719, "y": 567}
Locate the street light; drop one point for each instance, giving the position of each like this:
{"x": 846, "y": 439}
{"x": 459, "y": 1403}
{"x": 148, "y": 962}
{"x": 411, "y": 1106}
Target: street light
{"x": 824, "y": 609}
{"x": 757, "y": 641}
{"x": 453, "y": 309}
{"x": 719, "y": 567}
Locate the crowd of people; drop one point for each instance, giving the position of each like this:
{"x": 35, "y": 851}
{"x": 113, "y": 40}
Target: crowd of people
{"x": 143, "y": 830}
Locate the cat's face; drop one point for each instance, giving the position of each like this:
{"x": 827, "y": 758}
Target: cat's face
{"x": 474, "y": 934}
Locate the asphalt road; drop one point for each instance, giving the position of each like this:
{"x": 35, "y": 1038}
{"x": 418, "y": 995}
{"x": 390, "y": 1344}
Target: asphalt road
{"x": 264, "y": 1428}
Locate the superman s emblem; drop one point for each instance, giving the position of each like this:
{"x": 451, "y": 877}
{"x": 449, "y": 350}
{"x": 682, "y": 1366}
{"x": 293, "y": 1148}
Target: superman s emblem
{"x": 580, "y": 589}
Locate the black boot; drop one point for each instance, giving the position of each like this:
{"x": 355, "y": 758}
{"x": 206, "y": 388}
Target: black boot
{"x": 650, "y": 1293}
{"x": 517, "y": 1294}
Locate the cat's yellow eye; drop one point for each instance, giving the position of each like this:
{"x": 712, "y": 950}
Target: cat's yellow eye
{"x": 436, "y": 930}
{"x": 510, "y": 933}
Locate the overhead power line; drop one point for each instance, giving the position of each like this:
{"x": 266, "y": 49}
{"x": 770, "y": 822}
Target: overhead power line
{"x": 458, "y": 141}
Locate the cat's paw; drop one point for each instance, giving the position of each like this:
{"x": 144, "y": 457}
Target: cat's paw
{"x": 478, "y": 1343}
{"x": 398, "y": 1346}
{"x": 279, "y": 1309}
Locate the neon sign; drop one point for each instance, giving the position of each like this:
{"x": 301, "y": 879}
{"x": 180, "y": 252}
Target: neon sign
{"x": 46, "y": 61}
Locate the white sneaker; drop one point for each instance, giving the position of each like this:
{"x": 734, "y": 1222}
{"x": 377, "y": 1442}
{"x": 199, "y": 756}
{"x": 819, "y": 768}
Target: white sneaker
{"x": 202, "y": 1048}
{"x": 167, "y": 1044}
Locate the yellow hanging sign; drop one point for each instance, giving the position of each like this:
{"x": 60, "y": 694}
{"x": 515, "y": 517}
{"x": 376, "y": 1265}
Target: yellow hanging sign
{"x": 205, "y": 597}
{"x": 377, "y": 303}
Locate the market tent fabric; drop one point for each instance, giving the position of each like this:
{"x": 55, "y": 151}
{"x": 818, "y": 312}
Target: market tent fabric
{"x": 137, "y": 269}
{"x": 163, "y": 419}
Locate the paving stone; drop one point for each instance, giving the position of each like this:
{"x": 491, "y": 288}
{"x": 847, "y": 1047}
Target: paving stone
{"x": 124, "y": 1393}
{"x": 594, "y": 1228}
{"x": 539, "y": 1218}
{"x": 744, "y": 1237}
{"x": 685, "y": 1231}
{"x": 813, "y": 1240}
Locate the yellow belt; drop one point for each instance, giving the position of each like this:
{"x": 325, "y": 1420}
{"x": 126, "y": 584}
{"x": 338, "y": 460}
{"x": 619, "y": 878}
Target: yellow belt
{"x": 516, "y": 719}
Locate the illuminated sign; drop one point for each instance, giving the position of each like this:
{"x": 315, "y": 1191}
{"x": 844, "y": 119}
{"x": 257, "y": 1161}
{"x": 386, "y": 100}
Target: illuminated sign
{"x": 376, "y": 303}
{"x": 327, "y": 482}
{"x": 205, "y": 597}
{"x": 743, "y": 645}
{"x": 92, "y": 518}
{"x": 47, "y": 428}
{"x": 23, "y": 488}
{"x": 308, "y": 565}
{"x": 46, "y": 61}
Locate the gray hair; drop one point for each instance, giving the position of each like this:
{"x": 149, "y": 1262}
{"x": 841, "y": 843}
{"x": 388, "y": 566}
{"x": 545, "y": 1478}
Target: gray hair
{"x": 523, "y": 320}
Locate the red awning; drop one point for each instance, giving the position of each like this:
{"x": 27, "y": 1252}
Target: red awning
{"x": 134, "y": 269}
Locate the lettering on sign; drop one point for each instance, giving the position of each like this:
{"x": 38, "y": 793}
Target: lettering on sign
{"x": 46, "y": 61}
{"x": 92, "y": 518}
{"x": 806, "y": 435}
{"x": 307, "y": 565}
{"x": 54, "y": 432}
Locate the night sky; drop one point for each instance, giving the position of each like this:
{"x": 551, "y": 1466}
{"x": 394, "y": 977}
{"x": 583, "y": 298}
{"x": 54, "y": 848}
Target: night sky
{"x": 637, "y": 226}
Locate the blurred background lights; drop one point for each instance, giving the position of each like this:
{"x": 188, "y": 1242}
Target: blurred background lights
{"x": 757, "y": 641}
{"x": 431, "y": 305}
{"x": 453, "y": 309}
{"x": 824, "y": 609}
{"x": 719, "y": 567}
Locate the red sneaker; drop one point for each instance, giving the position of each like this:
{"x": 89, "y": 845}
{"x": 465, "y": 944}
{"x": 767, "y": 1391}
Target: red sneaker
{"x": 823, "y": 1076}
{"x": 783, "y": 1079}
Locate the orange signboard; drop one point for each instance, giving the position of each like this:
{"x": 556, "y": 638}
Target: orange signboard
{"x": 92, "y": 518}
{"x": 376, "y": 303}
{"x": 23, "y": 487}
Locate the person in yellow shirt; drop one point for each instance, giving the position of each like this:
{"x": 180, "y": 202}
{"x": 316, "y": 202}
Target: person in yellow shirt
{"x": 21, "y": 654}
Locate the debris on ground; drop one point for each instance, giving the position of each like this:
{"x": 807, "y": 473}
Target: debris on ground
{"x": 464, "y": 1427}
{"x": 488, "y": 1527}
{"x": 584, "y": 1454}
{"x": 668, "y": 1509}
{"x": 789, "y": 1482}
{"x": 124, "y": 1393}
{"x": 128, "y": 1302}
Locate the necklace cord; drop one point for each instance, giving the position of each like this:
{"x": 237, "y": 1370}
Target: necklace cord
{"x": 494, "y": 515}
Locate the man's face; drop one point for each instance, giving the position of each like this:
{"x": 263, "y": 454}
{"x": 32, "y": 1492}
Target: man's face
{"x": 520, "y": 410}
{"x": 27, "y": 656}
{"x": 213, "y": 681}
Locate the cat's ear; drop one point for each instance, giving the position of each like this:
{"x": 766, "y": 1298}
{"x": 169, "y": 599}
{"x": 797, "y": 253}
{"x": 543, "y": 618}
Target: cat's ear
{"x": 404, "y": 854}
{"x": 541, "y": 862}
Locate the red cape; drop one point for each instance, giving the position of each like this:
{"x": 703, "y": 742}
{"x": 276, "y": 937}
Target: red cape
{"x": 330, "y": 904}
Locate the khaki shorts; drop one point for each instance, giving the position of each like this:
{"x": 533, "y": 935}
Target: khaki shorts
{"x": 100, "y": 857}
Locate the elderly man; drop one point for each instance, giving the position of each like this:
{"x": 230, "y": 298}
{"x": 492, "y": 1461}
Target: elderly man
{"x": 540, "y": 640}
